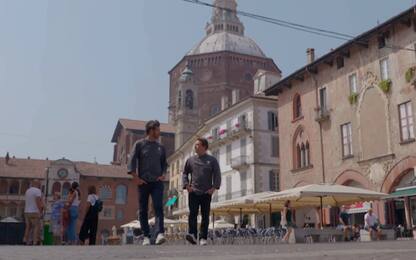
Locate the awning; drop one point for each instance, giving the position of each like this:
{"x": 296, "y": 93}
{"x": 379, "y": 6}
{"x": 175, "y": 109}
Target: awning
{"x": 404, "y": 192}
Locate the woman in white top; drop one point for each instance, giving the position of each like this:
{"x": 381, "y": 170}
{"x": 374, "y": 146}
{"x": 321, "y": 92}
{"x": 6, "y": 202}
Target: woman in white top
{"x": 90, "y": 223}
{"x": 73, "y": 207}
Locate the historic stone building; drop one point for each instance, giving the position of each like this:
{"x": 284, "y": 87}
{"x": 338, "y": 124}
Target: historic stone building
{"x": 114, "y": 187}
{"x": 349, "y": 118}
{"x": 223, "y": 64}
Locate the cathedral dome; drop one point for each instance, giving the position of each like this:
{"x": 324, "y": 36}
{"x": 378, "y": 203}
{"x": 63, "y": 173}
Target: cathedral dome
{"x": 225, "y": 41}
{"x": 225, "y": 32}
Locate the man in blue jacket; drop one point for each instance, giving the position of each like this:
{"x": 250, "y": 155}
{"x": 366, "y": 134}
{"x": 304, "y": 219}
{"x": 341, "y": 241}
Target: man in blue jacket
{"x": 147, "y": 163}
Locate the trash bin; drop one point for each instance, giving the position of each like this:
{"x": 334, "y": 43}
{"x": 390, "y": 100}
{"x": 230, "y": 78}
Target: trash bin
{"x": 47, "y": 235}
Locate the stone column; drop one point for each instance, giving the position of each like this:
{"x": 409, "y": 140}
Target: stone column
{"x": 407, "y": 212}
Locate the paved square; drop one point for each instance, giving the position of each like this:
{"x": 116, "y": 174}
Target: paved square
{"x": 376, "y": 250}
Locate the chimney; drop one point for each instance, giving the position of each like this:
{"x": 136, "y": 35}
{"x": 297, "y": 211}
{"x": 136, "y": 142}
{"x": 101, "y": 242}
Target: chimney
{"x": 224, "y": 103}
{"x": 235, "y": 96}
{"x": 28, "y": 157}
{"x": 310, "y": 54}
{"x": 7, "y": 158}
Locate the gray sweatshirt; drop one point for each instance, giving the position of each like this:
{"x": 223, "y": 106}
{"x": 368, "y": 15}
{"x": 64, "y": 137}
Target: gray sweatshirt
{"x": 204, "y": 171}
{"x": 148, "y": 158}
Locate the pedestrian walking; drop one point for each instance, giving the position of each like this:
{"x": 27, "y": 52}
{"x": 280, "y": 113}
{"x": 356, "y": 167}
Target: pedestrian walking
{"x": 56, "y": 218}
{"x": 72, "y": 205}
{"x": 90, "y": 223}
{"x": 34, "y": 207}
{"x": 286, "y": 221}
{"x": 344, "y": 220}
{"x": 148, "y": 165}
{"x": 201, "y": 177}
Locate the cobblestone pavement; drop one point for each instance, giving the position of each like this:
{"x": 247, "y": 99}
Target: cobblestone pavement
{"x": 352, "y": 251}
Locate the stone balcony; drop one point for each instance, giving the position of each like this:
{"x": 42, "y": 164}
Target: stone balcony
{"x": 228, "y": 135}
{"x": 239, "y": 162}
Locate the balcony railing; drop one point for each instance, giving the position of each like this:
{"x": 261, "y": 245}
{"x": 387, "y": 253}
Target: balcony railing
{"x": 239, "y": 162}
{"x": 322, "y": 114}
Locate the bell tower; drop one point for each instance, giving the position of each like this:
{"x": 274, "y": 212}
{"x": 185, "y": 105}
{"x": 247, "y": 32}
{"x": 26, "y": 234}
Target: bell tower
{"x": 186, "y": 119}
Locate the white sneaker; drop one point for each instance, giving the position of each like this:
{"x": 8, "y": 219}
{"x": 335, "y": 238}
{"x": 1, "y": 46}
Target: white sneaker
{"x": 203, "y": 242}
{"x": 146, "y": 241}
{"x": 160, "y": 239}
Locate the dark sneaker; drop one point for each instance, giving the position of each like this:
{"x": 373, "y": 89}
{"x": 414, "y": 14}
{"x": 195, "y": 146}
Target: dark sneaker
{"x": 191, "y": 239}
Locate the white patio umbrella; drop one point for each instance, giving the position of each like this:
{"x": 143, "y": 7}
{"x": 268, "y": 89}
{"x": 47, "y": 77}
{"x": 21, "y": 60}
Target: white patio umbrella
{"x": 9, "y": 220}
{"x": 169, "y": 221}
{"x": 221, "y": 223}
{"x": 132, "y": 224}
{"x": 322, "y": 194}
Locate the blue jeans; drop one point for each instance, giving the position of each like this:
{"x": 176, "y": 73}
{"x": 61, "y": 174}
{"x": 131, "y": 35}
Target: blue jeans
{"x": 154, "y": 189}
{"x": 71, "y": 233}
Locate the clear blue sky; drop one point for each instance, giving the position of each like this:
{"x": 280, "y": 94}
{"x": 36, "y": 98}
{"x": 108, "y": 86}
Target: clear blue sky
{"x": 70, "y": 68}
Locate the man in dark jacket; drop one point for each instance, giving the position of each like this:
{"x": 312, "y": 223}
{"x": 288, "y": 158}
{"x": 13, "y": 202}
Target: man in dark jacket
{"x": 147, "y": 163}
{"x": 205, "y": 179}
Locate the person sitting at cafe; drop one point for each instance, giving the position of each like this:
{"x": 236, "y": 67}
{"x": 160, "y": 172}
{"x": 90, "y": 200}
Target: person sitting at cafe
{"x": 344, "y": 220}
{"x": 371, "y": 224}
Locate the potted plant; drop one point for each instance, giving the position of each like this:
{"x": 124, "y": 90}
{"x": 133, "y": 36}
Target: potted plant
{"x": 409, "y": 75}
{"x": 385, "y": 85}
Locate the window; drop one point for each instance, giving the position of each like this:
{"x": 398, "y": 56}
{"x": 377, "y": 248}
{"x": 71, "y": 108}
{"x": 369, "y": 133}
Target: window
{"x": 65, "y": 190}
{"x": 14, "y": 188}
{"x": 56, "y": 188}
{"x": 215, "y": 133}
{"x": 119, "y": 215}
{"x": 189, "y": 99}
{"x": 340, "y": 62}
{"x": 121, "y": 194}
{"x": 214, "y": 110}
{"x": 228, "y": 182}
{"x": 297, "y": 107}
{"x": 353, "y": 83}
{"x": 275, "y": 146}
{"x": 243, "y": 181}
{"x": 3, "y": 187}
{"x": 384, "y": 69}
{"x": 381, "y": 41}
{"x": 228, "y": 126}
{"x": 346, "y": 133}
{"x": 322, "y": 99}
{"x": 273, "y": 181}
{"x": 242, "y": 121}
{"x": 301, "y": 150}
{"x": 243, "y": 146}
{"x": 228, "y": 155}
{"x": 107, "y": 212}
{"x": 406, "y": 121}
{"x": 272, "y": 121}
{"x": 105, "y": 192}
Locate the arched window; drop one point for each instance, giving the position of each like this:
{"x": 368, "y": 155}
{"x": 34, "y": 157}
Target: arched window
{"x": 56, "y": 188}
{"x": 297, "y": 107}
{"x": 14, "y": 187}
{"x": 189, "y": 99}
{"x": 25, "y": 186}
{"x": 301, "y": 150}
{"x": 121, "y": 194}
{"x": 105, "y": 192}
{"x": 65, "y": 190}
{"x": 3, "y": 187}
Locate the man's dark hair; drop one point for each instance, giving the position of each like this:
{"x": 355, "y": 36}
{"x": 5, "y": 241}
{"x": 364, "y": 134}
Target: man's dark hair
{"x": 152, "y": 124}
{"x": 204, "y": 142}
